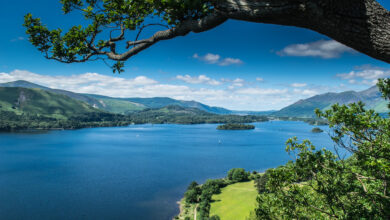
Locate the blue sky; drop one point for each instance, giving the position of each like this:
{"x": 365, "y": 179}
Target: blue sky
{"x": 238, "y": 65}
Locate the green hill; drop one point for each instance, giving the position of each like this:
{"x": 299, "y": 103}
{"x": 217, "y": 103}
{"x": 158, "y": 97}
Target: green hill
{"x": 121, "y": 105}
{"x": 305, "y": 108}
{"x": 175, "y": 114}
{"x": 160, "y": 102}
{"x": 41, "y": 102}
{"x": 117, "y": 105}
{"x": 112, "y": 105}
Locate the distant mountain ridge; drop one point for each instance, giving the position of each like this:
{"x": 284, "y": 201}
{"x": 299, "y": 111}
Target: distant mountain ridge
{"x": 121, "y": 105}
{"x": 160, "y": 102}
{"x": 305, "y": 108}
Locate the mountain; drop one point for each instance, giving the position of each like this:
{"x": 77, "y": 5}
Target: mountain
{"x": 305, "y": 108}
{"x": 100, "y": 102}
{"x": 160, "y": 102}
{"x": 117, "y": 105}
{"x": 35, "y": 101}
{"x": 121, "y": 105}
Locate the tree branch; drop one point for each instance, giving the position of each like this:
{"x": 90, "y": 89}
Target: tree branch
{"x": 196, "y": 26}
{"x": 363, "y": 25}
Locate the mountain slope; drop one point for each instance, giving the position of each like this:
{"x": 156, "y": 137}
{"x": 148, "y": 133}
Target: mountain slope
{"x": 160, "y": 102}
{"x": 101, "y": 102}
{"x": 80, "y": 97}
{"x": 121, "y": 105}
{"x": 117, "y": 105}
{"x": 305, "y": 108}
{"x": 41, "y": 102}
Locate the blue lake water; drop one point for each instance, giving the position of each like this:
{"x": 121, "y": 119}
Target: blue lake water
{"x": 136, "y": 172}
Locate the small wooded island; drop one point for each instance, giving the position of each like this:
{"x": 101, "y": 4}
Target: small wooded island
{"x": 317, "y": 130}
{"x": 232, "y": 126}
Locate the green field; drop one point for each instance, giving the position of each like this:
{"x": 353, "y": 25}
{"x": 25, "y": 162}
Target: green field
{"x": 235, "y": 202}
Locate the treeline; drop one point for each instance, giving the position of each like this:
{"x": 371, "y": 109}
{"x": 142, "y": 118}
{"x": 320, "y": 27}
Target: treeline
{"x": 180, "y": 115}
{"x": 311, "y": 121}
{"x": 10, "y": 121}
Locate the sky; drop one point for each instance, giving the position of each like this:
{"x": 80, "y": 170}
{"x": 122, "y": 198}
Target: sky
{"x": 238, "y": 65}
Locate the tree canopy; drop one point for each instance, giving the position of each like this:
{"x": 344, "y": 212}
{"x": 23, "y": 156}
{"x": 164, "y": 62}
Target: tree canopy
{"x": 364, "y": 27}
{"x": 321, "y": 184}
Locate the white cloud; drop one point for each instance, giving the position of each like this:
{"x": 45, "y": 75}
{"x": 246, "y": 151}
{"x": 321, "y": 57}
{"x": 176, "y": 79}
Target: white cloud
{"x": 201, "y": 79}
{"x": 230, "y": 61}
{"x": 208, "y": 58}
{"x": 310, "y": 92}
{"x": 325, "y": 49}
{"x": 84, "y": 83}
{"x": 17, "y": 39}
{"x": 217, "y": 59}
{"x": 365, "y": 75}
{"x": 260, "y": 91}
{"x": 238, "y": 82}
{"x": 298, "y": 85}
{"x": 259, "y": 79}
{"x": 240, "y": 96}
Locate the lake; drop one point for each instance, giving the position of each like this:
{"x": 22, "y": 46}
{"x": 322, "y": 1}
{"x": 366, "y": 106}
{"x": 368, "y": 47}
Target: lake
{"x": 135, "y": 172}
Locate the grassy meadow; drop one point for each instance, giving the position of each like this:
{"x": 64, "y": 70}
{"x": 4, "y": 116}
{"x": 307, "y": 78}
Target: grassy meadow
{"x": 235, "y": 202}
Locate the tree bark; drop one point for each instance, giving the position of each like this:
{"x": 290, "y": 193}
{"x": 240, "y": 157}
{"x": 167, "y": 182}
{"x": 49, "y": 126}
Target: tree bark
{"x": 363, "y": 25}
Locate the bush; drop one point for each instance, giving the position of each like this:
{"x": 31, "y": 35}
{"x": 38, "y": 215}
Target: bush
{"x": 193, "y": 192}
{"x": 261, "y": 182}
{"x": 238, "y": 175}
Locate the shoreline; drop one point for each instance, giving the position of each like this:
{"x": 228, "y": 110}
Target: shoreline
{"x": 27, "y": 130}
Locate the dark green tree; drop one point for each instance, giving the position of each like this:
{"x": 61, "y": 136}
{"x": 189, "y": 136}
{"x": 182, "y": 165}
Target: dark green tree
{"x": 191, "y": 196}
{"x": 215, "y": 217}
{"x": 193, "y": 185}
{"x": 261, "y": 182}
{"x": 238, "y": 175}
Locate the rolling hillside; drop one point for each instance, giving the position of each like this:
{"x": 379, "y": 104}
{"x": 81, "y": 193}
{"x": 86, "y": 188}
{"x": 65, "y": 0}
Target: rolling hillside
{"x": 100, "y": 102}
{"x": 121, "y": 105}
{"x": 41, "y": 102}
{"x": 305, "y": 108}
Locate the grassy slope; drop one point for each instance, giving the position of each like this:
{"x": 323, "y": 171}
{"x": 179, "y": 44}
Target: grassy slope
{"x": 235, "y": 202}
{"x": 119, "y": 106}
{"x": 40, "y": 102}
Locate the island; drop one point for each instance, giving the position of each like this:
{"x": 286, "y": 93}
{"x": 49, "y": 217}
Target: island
{"x": 317, "y": 130}
{"x": 232, "y": 126}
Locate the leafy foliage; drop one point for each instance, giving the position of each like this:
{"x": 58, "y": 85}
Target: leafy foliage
{"x": 238, "y": 175}
{"x": 232, "y": 126}
{"x": 193, "y": 192}
{"x": 80, "y": 44}
{"x": 261, "y": 182}
{"x": 320, "y": 184}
